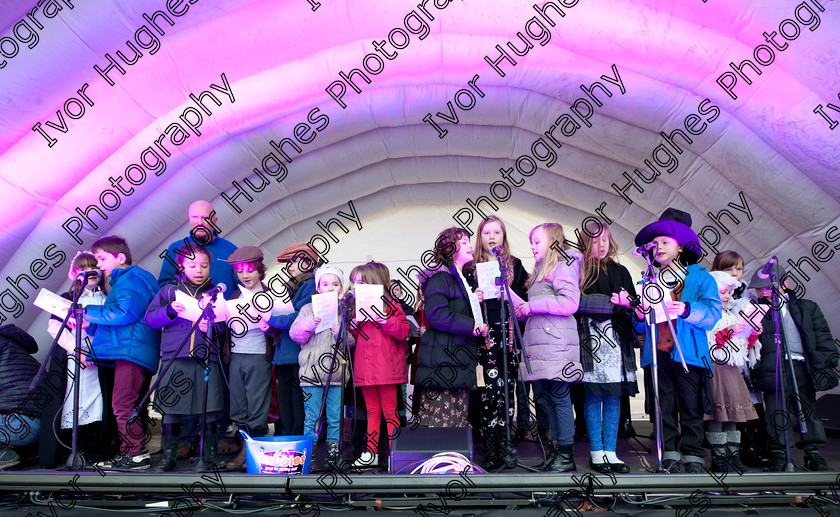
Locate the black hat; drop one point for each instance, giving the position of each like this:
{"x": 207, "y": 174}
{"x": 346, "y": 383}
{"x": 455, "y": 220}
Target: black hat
{"x": 676, "y": 224}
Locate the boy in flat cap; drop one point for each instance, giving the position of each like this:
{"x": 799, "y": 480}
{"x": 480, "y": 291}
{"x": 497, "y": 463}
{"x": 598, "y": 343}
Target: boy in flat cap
{"x": 301, "y": 261}
{"x": 249, "y": 352}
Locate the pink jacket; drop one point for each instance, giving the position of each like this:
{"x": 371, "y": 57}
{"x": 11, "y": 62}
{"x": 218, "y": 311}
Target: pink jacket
{"x": 380, "y": 358}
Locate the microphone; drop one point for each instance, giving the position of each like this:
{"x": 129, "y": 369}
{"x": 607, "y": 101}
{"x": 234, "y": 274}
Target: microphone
{"x": 495, "y": 250}
{"x": 644, "y": 248}
{"x": 764, "y": 272}
{"x": 218, "y": 289}
{"x": 347, "y": 297}
{"x": 93, "y": 273}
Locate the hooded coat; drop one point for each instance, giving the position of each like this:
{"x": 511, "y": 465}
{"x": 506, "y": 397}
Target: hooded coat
{"x": 700, "y": 293}
{"x": 818, "y": 347}
{"x": 551, "y": 334}
{"x": 447, "y": 355}
{"x": 379, "y": 357}
{"x": 118, "y": 327}
{"x": 287, "y": 351}
{"x": 17, "y": 369}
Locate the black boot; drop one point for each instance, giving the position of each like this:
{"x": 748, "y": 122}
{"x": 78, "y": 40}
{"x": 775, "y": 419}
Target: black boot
{"x": 550, "y": 453}
{"x": 564, "y": 459}
{"x": 717, "y": 441}
{"x": 492, "y": 449}
{"x": 169, "y": 443}
{"x": 733, "y": 446}
{"x": 211, "y": 448}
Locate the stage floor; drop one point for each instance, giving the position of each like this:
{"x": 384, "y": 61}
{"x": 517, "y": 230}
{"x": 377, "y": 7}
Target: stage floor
{"x": 27, "y": 490}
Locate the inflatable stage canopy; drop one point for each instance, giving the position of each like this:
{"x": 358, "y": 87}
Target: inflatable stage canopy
{"x": 364, "y": 127}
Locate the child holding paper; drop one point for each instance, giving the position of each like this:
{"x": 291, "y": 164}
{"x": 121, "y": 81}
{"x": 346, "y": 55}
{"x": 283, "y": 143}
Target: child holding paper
{"x": 753, "y": 443}
{"x": 181, "y": 391}
{"x": 730, "y": 341}
{"x": 447, "y": 354}
{"x": 379, "y": 365}
{"x": 608, "y": 342}
{"x": 320, "y": 358}
{"x": 551, "y": 337}
{"x": 125, "y": 344}
{"x": 692, "y": 301}
{"x": 249, "y": 351}
{"x": 90, "y": 394}
{"x": 481, "y": 275}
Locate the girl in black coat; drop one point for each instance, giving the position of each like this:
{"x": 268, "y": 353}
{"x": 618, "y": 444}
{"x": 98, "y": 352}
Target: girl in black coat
{"x": 447, "y": 355}
{"x": 607, "y": 342}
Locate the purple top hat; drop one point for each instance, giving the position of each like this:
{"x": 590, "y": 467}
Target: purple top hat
{"x": 676, "y": 224}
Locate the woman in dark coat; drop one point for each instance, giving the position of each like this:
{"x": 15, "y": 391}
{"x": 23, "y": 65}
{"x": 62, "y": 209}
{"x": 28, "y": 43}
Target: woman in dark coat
{"x": 447, "y": 354}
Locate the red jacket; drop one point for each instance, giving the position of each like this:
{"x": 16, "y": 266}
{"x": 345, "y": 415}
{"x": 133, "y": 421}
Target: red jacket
{"x": 379, "y": 358}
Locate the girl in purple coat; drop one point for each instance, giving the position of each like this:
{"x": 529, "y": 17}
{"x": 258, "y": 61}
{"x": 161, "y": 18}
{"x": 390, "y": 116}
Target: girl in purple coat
{"x": 551, "y": 337}
{"x": 181, "y": 391}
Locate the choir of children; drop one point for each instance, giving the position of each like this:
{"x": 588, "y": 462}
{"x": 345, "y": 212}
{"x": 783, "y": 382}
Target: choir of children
{"x": 580, "y": 327}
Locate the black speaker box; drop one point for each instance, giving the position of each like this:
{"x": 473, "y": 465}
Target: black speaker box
{"x": 415, "y": 445}
{"x": 828, "y": 410}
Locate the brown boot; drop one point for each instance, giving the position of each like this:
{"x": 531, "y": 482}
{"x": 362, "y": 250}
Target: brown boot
{"x": 185, "y": 451}
{"x": 238, "y": 462}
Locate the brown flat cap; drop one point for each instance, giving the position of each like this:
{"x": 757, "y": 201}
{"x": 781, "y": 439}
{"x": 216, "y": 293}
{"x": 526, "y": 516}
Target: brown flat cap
{"x": 299, "y": 249}
{"x": 245, "y": 254}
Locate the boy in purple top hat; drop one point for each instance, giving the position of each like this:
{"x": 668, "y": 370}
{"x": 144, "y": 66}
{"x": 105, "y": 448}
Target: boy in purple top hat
{"x": 693, "y": 303}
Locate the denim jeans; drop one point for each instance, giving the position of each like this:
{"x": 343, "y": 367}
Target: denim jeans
{"x": 18, "y": 429}
{"x": 554, "y": 394}
{"x": 312, "y": 406}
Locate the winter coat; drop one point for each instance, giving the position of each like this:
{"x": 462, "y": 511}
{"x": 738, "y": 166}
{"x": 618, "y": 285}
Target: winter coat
{"x": 447, "y": 355}
{"x": 272, "y": 335}
{"x": 818, "y": 347}
{"x": 551, "y": 336}
{"x": 379, "y": 357}
{"x": 17, "y": 369}
{"x": 288, "y": 351}
{"x": 220, "y": 270}
{"x": 316, "y": 351}
{"x": 700, "y": 292}
{"x": 595, "y": 306}
{"x": 725, "y": 347}
{"x": 174, "y": 329}
{"x": 118, "y": 328}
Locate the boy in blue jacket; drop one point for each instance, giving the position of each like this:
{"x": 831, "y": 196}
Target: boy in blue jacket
{"x": 121, "y": 337}
{"x": 694, "y": 306}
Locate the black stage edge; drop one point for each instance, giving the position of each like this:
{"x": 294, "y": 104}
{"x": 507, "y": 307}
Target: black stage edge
{"x": 338, "y": 484}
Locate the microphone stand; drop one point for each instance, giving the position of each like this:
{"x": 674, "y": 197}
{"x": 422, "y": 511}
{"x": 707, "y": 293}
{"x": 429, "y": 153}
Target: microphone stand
{"x": 344, "y": 310}
{"x": 209, "y": 315}
{"x": 509, "y": 459}
{"x": 780, "y": 337}
{"x": 649, "y": 277}
{"x": 75, "y": 461}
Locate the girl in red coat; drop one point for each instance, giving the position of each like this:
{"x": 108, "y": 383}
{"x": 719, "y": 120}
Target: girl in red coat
{"x": 379, "y": 365}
